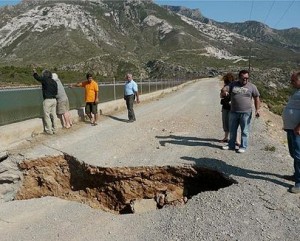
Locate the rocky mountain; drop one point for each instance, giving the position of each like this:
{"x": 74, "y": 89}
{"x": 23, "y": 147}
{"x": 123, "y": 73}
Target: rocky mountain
{"x": 113, "y": 37}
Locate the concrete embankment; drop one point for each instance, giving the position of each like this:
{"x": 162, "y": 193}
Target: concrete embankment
{"x": 14, "y": 134}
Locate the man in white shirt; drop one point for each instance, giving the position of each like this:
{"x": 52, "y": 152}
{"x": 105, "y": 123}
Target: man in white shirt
{"x": 130, "y": 92}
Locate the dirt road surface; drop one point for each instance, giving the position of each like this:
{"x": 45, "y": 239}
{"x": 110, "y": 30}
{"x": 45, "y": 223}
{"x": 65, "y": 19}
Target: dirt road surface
{"x": 179, "y": 129}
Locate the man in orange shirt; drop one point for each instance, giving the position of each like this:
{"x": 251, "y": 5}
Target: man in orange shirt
{"x": 91, "y": 97}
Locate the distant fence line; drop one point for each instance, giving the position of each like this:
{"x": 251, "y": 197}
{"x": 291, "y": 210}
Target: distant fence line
{"x": 19, "y": 104}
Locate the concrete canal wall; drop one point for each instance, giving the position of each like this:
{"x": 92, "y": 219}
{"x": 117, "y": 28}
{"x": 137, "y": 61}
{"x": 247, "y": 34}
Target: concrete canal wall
{"x": 16, "y": 133}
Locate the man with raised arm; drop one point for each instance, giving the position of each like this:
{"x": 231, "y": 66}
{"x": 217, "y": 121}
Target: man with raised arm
{"x": 49, "y": 89}
{"x": 91, "y": 97}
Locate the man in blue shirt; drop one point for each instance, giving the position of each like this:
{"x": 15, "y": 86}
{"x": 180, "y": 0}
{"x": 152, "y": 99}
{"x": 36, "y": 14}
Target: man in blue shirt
{"x": 130, "y": 92}
{"x": 291, "y": 124}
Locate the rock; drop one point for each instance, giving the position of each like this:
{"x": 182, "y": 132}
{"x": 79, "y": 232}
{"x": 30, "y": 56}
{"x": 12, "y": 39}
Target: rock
{"x": 10, "y": 178}
{"x": 174, "y": 195}
{"x": 143, "y": 205}
{"x": 160, "y": 199}
{"x": 3, "y": 155}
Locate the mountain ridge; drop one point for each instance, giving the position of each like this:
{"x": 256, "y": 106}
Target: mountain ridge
{"x": 112, "y": 37}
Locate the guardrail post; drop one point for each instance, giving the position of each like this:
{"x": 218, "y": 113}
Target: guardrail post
{"x": 141, "y": 92}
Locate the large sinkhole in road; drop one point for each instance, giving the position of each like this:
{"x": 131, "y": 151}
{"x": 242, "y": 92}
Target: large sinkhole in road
{"x": 118, "y": 190}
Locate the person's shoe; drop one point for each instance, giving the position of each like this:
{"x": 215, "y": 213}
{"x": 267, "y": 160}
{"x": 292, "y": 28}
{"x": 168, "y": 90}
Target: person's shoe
{"x": 294, "y": 189}
{"x": 227, "y": 148}
{"x": 48, "y": 133}
{"x": 130, "y": 121}
{"x": 241, "y": 150}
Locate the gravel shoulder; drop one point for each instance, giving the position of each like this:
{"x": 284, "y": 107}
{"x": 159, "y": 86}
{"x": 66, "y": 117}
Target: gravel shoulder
{"x": 181, "y": 128}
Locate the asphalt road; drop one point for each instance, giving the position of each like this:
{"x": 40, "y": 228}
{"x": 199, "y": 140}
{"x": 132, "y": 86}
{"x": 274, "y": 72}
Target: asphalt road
{"x": 181, "y": 128}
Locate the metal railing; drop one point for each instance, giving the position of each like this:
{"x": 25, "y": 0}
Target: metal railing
{"x": 19, "y": 104}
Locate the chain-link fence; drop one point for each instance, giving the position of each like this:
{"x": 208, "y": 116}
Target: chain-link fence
{"x": 18, "y": 104}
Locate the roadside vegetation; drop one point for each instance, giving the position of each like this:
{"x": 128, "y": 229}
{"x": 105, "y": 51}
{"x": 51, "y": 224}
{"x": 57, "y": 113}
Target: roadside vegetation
{"x": 22, "y": 76}
{"x": 276, "y": 99}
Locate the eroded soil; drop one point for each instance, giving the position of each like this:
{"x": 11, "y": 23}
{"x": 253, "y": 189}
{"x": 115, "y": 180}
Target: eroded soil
{"x": 115, "y": 189}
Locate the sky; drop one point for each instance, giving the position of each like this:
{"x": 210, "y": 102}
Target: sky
{"x": 274, "y": 13}
{"x": 278, "y": 14}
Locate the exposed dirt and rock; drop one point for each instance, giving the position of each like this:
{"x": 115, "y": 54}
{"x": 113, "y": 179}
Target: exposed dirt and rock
{"x": 174, "y": 137}
{"x": 115, "y": 189}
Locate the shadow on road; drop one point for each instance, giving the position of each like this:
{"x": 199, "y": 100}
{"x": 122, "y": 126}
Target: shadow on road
{"x": 236, "y": 171}
{"x": 187, "y": 141}
{"x": 116, "y": 118}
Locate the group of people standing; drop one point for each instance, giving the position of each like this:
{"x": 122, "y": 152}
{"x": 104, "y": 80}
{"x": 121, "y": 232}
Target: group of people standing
{"x": 56, "y": 102}
{"x": 236, "y": 100}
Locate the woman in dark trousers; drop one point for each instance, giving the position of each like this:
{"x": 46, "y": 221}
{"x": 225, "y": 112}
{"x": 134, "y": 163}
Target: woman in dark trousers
{"x": 225, "y": 102}
{"x": 130, "y": 93}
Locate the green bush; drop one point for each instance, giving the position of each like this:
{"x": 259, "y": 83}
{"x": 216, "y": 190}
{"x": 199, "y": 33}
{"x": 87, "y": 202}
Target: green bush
{"x": 270, "y": 148}
{"x": 276, "y": 99}
{"x": 20, "y": 76}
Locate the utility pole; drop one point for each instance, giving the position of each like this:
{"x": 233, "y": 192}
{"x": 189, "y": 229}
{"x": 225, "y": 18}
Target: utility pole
{"x": 249, "y": 60}
{"x": 250, "y": 52}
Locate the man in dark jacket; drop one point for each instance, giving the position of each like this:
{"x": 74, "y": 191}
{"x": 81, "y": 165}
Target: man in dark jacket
{"x": 49, "y": 88}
